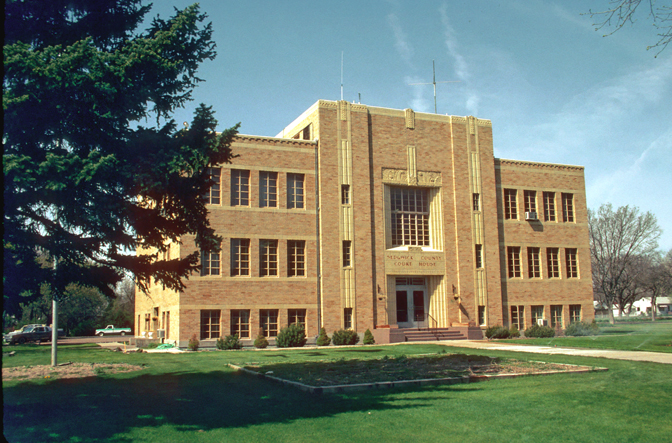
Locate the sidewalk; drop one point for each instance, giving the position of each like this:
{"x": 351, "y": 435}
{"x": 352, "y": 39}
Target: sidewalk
{"x": 655, "y": 357}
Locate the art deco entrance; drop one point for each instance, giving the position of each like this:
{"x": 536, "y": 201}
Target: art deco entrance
{"x": 411, "y": 302}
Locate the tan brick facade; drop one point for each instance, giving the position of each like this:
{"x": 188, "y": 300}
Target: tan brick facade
{"x": 389, "y": 230}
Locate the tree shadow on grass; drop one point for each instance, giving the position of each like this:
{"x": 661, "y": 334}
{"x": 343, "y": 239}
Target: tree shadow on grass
{"x": 98, "y": 408}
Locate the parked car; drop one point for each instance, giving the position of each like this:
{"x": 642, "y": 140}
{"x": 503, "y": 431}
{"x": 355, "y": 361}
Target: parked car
{"x": 111, "y": 330}
{"x": 30, "y": 333}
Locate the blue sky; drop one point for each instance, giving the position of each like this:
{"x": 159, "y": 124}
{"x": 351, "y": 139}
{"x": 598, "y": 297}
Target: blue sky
{"x": 555, "y": 89}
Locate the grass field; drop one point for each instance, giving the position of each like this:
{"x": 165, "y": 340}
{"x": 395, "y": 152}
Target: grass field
{"x": 195, "y": 397}
{"x": 630, "y": 336}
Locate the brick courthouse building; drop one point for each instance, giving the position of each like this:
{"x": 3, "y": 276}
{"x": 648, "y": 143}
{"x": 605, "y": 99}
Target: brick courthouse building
{"x": 390, "y": 220}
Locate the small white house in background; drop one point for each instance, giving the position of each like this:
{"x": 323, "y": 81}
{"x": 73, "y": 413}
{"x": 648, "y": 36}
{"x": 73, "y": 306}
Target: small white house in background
{"x": 643, "y": 307}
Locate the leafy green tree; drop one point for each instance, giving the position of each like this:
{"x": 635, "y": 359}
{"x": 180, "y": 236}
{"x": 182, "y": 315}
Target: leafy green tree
{"x": 94, "y": 167}
{"x": 80, "y": 313}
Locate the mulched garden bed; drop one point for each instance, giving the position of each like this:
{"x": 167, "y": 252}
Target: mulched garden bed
{"x": 388, "y": 372}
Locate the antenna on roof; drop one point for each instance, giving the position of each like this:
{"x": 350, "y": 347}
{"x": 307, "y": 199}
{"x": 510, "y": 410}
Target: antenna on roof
{"x": 434, "y": 82}
{"x": 341, "y": 75}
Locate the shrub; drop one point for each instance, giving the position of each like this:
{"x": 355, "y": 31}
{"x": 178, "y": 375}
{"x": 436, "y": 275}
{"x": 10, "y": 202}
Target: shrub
{"x": 497, "y": 332}
{"x": 514, "y": 332}
{"x": 368, "y": 338}
{"x": 229, "y": 342}
{"x": 345, "y": 337}
{"x": 579, "y": 329}
{"x": 293, "y": 336}
{"x": 323, "y": 339}
{"x": 261, "y": 341}
{"x": 539, "y": 331}
{"x": 193, "y": 343}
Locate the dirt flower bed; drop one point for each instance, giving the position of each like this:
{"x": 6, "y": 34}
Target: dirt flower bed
{"x": 344, "y": 372}
{"x": 72, "y": 370}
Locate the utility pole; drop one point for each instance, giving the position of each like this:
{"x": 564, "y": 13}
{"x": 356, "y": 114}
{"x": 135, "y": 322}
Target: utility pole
{"x": 54, "y": 320}
{"x": 434, "y": 82}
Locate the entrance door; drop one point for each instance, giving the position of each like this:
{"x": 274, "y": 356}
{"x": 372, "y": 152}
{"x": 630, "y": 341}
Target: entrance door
{"x": 411, "y": 307}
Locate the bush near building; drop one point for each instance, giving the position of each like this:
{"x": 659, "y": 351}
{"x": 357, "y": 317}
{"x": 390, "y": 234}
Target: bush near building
{"x": 323, "y": 339}
{"x": 293, "y": 336}
{"x": 581, "y": 329}
{"x": 539, "y": 331}
{"x": 345, "y": 337}
{"x": 229, "y": 342}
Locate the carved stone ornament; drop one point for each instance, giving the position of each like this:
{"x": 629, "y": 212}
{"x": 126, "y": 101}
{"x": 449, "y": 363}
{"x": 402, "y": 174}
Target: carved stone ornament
{"x": 343, "y": 109}
{"x": 401, "y": 177}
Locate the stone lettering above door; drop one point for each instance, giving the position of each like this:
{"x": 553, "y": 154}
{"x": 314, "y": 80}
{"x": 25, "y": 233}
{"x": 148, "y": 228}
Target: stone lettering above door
{"x": 414, "y": 263}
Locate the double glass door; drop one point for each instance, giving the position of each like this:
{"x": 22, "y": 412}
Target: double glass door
{"x": 411, "y": 306}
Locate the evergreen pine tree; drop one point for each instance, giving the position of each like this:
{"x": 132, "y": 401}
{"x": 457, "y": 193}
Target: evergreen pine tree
{"x": 94, "y": 167}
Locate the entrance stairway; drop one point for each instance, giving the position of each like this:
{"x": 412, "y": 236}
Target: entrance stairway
{"x": 413, "y": 334}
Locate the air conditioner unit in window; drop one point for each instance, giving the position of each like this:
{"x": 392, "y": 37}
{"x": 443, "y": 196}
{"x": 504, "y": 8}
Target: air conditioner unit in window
{"x": 161, "y": 333}
{"x": 542, "y": 322}
{"x": 531, "y": 216}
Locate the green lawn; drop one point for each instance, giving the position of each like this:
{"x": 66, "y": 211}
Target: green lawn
{"x": 195, "y": 397}
{"x": 630, "y": 336}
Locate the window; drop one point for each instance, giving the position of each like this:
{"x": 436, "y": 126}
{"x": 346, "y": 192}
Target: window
{"x": 409, "y": 217}
{"x": 213, "y": 194}
{"x": 345, "y": 194}
{"x": 533, "y": 263}
{"x": 572, "y": 263}
{"x": 240, "y": 256}
{"x": 552, "y": 261}
{"x": 347, "y": 318}
{"x": 537, "y": 313}
{"x": 574, "y": 313}
{"x": 347, "y": 244}
{"x": 297, "y": 316}
{"x": 210, "y": 323}
{"x": 268, "y": 189}
{"x": 296, "y": 258}
{"x": 518, "y": 317}
{"x": 481, "y": 315}
{"x": 530, "y": 201}
{"x": 510, "y": 204}
{"x": 556, "y": 316}
{"x": 549, "y": 206}
{"x": 268, "y": 321}
{"x": 568, "y": 208}
{"x": 295, "y": 191}
{"x": 240, "y": 187}
{"x": 210, "y": 262}
{"x": 479, "y": 256}
{"x": 240, "y": 323}
{"x": 268, "y": 258}
{"x": 477, "y": 201}
{"x": 513, "y": 255}
{"x": 148, "y": 318}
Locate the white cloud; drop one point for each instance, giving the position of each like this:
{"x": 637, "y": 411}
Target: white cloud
{"x": 404, "y": 48}
{"x": 461, "y": 68}
{"x": 419, "y": 102}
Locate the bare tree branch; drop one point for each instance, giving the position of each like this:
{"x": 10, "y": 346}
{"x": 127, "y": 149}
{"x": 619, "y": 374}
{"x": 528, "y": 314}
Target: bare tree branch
{"x": 621, "y": 12}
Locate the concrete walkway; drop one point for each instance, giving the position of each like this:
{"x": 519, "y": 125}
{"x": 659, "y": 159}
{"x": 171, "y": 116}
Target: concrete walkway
{"x": 655, "y": 357}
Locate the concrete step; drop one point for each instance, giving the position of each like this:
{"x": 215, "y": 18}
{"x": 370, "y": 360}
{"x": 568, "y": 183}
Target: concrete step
{"x": 433, "y": 334}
